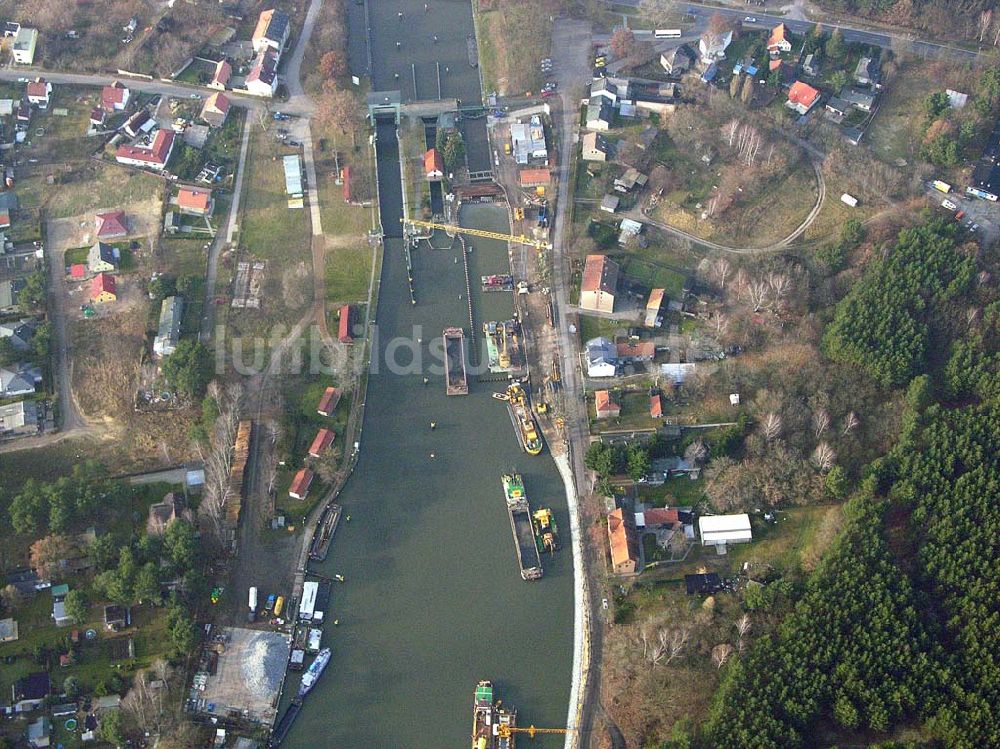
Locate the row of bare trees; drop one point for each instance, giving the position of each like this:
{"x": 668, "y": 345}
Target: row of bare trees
{"x": 219, "y": 458}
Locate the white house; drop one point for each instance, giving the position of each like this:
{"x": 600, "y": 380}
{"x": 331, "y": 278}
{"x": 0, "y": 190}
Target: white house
{"x": 719, "y": 530}
{"x": 602, "y": 358}
{"x": 24, "y": 46}
{"x": 39, "y": 91}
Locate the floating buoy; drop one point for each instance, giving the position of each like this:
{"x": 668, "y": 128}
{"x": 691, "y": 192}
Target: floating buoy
{"x": 434, "y": 425}
{"x": 432, "y": 456}
{"x": 426, "y": 380}
{"x": 339, "y": 578}
{"x": 336, "y": 622}
{"x": 348, "y": 518}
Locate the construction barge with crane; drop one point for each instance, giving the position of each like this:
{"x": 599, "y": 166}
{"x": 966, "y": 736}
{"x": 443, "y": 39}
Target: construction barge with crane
{"x": 494, "y": 726}
{"x": 519, "y": 511}
{"x": 521, "y": 417}
{"x": 457, "y": 382}
{"x": 504, "y": 352}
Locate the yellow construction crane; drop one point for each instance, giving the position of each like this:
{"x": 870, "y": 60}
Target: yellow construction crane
{"x": 505, "y": 732}
{"x": 538, "y": 244}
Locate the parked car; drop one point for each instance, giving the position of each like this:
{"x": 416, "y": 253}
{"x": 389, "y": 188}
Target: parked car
{"x": 749, "y": 19}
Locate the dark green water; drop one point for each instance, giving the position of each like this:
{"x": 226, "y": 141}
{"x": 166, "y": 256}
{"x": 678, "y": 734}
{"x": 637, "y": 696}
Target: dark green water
{"x": 433, "y": 599}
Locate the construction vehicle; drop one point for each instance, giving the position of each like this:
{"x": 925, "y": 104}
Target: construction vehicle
{"x": 538, "y": 244}
{"x": 546, "y": 532}
{"x": 279, "y": 605}
{"x": 518, "y": 214}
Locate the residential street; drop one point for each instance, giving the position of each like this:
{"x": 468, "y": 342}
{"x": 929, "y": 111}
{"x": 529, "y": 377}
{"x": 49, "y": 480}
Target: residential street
{"x": 924, "y": 48}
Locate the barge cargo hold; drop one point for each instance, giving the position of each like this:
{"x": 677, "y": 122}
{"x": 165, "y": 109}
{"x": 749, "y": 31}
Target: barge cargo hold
{"x": 454, "y": 362}
{"x": 324, "y": 532}
{"x": 523, "y": 420}
{"x": 519, "y": 512}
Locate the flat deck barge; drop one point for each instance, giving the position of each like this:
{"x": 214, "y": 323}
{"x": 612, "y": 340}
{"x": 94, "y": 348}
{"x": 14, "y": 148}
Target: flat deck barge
{"x": 457, "y": 382}
{"x": 327, "y": 526}
{"x": 285, "y": 724}
{"x": 519, "y": 512}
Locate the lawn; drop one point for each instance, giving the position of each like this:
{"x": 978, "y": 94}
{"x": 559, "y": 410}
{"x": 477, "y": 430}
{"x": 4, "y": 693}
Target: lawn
{"x": 345, "y": 225}
{"x": 511, "y": 44}
{"x": 269, "y": 228}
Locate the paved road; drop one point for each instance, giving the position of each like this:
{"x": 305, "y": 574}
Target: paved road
{"x": 923, "y": 47}
{"x": 570, "y": 47}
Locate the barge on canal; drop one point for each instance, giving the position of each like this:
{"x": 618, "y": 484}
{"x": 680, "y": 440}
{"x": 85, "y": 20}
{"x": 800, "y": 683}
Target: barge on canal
{"x": 324, "y": 532}
{"x": 528, "y": 558}
{"x": 457, "y": 382}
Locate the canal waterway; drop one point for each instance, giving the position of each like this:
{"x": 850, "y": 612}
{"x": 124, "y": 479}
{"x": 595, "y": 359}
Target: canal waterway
{"x": 433, "y": 600}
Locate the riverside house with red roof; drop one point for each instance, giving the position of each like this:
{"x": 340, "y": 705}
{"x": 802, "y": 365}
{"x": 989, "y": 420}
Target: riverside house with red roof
{"x": 802, "y": 97}
{"x": 111, "y": 225}
{"x": 300, "y": 484}
{"x": 624, "y": 542}
{"x": 344, "y": 331}
{"x": 114, "y": 98}
{"x": 328, "y": 401}
{"x": 154, "y": 156}
{"x": 433, "y": 165}
{"x": 102, "y": 288}
{"x": 321, "y": 443}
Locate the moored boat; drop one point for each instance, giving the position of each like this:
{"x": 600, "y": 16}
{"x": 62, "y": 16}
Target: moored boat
{"x": 315, "y": 670}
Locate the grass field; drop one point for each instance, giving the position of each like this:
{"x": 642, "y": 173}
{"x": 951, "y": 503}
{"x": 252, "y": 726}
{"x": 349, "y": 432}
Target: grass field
{"x": 269, "y": 228}
{"x": 90, "y": 186}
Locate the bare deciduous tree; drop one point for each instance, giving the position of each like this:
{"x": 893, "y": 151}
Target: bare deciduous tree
{"x": 820, "y": 421}
{"x": 661, "y": 645}
{"x": 696, "y": 452}
{"x": 720, "y": 271}
{"x": 850, "y": 423}
{"x": 743, "y": 629}
{"x": 771, "y": 426}
{"x": 721, "y": 653}
{"x": 823, "y": 457}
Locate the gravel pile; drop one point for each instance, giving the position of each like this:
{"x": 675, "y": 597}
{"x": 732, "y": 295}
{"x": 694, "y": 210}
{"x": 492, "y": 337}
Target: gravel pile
{"x": 264, "y": 666}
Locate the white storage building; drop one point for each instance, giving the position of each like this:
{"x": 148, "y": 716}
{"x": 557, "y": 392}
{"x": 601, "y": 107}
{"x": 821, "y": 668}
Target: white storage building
{"x": 719, "y": 530}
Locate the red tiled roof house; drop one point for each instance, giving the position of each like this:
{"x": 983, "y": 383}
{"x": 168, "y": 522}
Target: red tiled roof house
{"x": 321, "y": 443}
{"x": 102, "y": 288}
{"x": 216, "y": 109}
{"x": 195, "y": 201}
{"x": 344, "y": 331}
{"x": 154, "y": 156}
{"x": 802, "y": 97}
{"x": 433, "y": 165}
{"x": 328, "y": 401}
{"x": 605, "y": 405}
{"x": 111, "y": 225}
{"x": 300, "y": 484}
{"x": 114, "y": 98}
{"x": 223, "y": 72}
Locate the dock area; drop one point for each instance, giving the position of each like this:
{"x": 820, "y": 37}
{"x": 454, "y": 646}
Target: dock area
{"x": 457, "y": 382}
